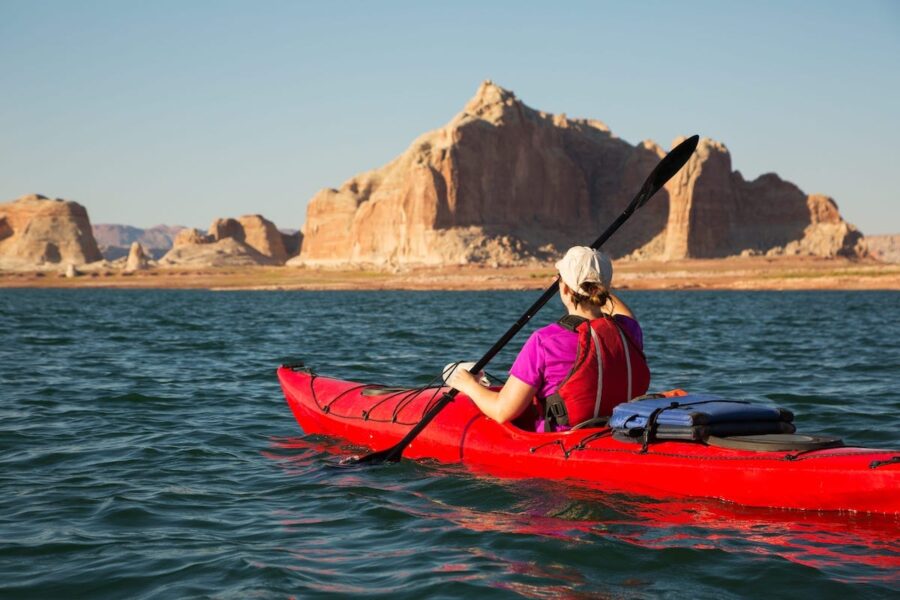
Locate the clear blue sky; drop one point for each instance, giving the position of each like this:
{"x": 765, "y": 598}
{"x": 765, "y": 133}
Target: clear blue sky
{"x": 181, "y": 111}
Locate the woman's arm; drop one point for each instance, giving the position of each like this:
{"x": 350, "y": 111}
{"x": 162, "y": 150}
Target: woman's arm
{"x": 505, "y": 405}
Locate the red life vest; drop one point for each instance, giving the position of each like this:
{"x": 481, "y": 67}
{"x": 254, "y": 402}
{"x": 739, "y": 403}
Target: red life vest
{"x": 609, "y": 369}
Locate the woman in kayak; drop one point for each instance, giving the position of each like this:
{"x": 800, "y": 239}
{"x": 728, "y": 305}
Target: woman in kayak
{"x": 576, "y": 369}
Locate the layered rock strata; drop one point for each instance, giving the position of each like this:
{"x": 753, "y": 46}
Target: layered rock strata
{"x": 503, "y": 183}
{"x": 714, "y": 212}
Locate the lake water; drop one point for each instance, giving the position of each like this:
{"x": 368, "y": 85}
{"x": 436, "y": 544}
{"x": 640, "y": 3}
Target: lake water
{"x": 146, "y": 451}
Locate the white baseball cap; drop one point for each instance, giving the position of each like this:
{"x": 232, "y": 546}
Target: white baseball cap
{"x": 582, "y": 264}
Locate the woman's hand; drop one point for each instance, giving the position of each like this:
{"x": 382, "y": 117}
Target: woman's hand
{"x": 462, "y": 380}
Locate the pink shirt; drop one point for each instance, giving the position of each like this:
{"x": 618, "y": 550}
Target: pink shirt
{"x": 548, "y": 355}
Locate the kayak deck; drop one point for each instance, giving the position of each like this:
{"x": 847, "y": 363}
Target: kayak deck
{"x": 842, "y": 479}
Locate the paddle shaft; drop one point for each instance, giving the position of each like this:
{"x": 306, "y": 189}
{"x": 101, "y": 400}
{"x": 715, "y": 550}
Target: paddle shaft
{"x": 667, "y": 167}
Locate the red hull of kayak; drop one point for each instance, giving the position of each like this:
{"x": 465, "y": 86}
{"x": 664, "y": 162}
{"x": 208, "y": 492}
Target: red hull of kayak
{"x": 838, "y": 479}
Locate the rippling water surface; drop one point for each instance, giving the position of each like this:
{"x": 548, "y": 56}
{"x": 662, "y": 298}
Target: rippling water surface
{"x": 146, "y": 451}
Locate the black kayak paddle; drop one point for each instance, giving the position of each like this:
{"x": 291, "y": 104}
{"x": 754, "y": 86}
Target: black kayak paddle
{"x": 670, "y": 164}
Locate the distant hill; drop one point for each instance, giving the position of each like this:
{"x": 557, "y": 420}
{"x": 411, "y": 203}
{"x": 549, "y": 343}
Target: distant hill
{"x": 884, "y": 247}
{"x": 115, "y": 240}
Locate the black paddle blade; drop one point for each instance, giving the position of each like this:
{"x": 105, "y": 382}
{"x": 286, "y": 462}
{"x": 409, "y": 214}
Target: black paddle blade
{"x": 391, "y": 454}
{"x": 670, "y": 164}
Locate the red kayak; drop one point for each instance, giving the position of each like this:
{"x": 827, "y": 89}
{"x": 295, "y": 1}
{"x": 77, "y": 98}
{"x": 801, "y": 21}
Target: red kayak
{"x": 376, "y": 417}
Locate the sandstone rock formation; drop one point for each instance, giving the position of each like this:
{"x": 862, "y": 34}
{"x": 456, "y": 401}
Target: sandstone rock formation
{"x": 190, "y": 236}
{"x": 262, "y": 235}
{"x": 255, "y": 231}
{"x": 115, "y": 240}
{"x": 137, "y": 258}
{"x": 250, "y": 240}
{"x": 227, "y": 252}
{"x": 505, "y": 183}
{"x": 226, "y": 228}
{"x": 714, "y": 212}
{"x": 35, "y": 231}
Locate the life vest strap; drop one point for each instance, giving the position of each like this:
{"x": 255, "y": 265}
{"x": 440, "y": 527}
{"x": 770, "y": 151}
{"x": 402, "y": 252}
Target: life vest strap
{"x": 571, "y": 322}
{"x": 627, "y": 357}
{"x": 596, "y": 339}
{"x": 650, "y": 429}
{"x": 555, "y": 412}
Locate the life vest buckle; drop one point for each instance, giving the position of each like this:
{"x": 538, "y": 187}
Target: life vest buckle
{"x": 556, "y": 410}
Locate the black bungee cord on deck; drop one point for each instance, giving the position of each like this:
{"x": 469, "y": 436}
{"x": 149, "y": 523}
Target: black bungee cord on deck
{"x": 406, "y": 395}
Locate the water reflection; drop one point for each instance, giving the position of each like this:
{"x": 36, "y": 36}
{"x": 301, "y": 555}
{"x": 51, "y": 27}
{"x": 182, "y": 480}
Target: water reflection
{"x": 446, "y": 500}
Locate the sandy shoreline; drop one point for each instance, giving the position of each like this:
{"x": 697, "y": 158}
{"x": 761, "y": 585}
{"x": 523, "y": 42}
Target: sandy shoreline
{"x": 754, "y": 273}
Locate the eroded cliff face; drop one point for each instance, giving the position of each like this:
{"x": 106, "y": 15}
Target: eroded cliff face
{"x": 262, "y": 235}
{"x": 504, "y": 183}
{"x": 714, "y": 213}
{"x": 38, "y": 231}
{"x": 501, "y": 182}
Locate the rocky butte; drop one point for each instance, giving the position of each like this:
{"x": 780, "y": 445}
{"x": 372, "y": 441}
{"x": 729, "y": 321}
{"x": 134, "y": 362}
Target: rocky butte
{"x": 250, "y": 240}
{"x": 36, "y": 231}
{"x": 502, "y": 183}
